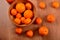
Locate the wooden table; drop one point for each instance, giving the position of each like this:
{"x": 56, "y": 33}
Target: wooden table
{"x": 7, "y": 28}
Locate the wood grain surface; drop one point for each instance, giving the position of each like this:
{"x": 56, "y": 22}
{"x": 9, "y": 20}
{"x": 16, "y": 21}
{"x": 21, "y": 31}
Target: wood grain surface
{"x": 7, "y": 29}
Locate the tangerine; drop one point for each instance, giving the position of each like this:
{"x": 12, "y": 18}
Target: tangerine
{"x": 17, "y": 21}
{"x": 43, "y": 30}
{"x": 18, "y": 30}
{"x": 28, "y": 5}
{"x": 55, "y": 4}
{"x": 50, "y": 18}
{"x": 27, "y": 21}
{"x": 13, "y": 12}
{"x": 20, "y": 7}
{"x": 29, "y": 33}
{"x": 28, "y": 14}
{"x": 38, "y": 20}
{"x": 42, "y": 5}
{"x": 18, "y": 15}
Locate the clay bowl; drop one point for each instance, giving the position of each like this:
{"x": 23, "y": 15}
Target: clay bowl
{"x": 11, "y": 17}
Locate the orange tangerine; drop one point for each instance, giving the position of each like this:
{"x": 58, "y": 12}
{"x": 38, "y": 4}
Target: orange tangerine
{"x": 27, "y": 21}
{"x": 50, "y": 18}
{"x": 10, "y": 1}
{"x": 18, "y": 15}
{"x": 43, "y": 30}
{"x": 29, "y": 33}
{"x": 20, "y": 7}
{"x": 17, "y": 21}
{"x": 28, "y": 14}
{"x": 28, "y": 5}
{"x": 22, "y": 19}
{"x": 38, "y": 20}
{"x": 55, "y": 4}
{"x": 13, "y": 11}
{"x": 42, "y": 5}
{"x": 18, "y": 30}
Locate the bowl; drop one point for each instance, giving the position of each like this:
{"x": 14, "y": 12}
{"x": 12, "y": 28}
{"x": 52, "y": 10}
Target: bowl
{"x": 11, "y": 17}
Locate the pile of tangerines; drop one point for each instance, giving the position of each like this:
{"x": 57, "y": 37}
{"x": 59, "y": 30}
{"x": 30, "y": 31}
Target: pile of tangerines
{"x": 23, "y": 14}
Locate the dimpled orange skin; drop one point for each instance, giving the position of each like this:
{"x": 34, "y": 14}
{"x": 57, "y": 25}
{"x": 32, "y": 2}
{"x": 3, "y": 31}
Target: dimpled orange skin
{"x": 43, "y": 31}
{"x": 29, "y": 33}
{"x": 27, "y": 21}
{"x": 13, "y": 12}
{"x": 28, "y": 5}
{"x": 20, "y": 7}
{"x": 17, "y": 21}
{"x": 18, "y": 30}
{"x": 55, "y": 4}
{"x": 38, "y": 20}
{"x": 51, "y": 18}
{"x": 42, "y": 5}
{"x": 18, "y": 15}
{"x": 22, "y": 19}
{"x": 28, "y": 14}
